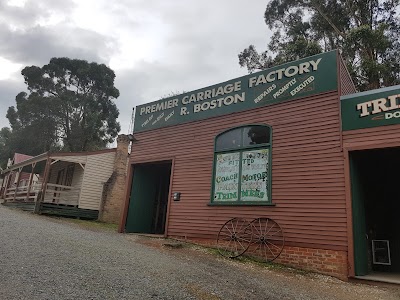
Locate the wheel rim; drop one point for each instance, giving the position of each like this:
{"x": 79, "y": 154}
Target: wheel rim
{"x": 268, "y": 240}
{"x": 234, "y": 237}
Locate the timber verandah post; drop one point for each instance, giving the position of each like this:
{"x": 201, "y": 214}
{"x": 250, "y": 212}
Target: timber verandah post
{"x": 28, "y": 192}
{"x": 40, "y": 197}
{"x": 16, "y": 186}
{"x": 7, "y": 185}
{"x": 2, "y": 188}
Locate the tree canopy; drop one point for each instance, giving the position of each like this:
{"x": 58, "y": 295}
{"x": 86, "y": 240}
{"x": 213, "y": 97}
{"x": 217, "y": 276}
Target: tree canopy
{"x": 365, "y": 31}
{"x": 5, "y": 150}
{"x": 70, "y": 107}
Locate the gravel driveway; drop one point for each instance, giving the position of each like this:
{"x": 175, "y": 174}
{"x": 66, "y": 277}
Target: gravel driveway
{"x": 45, "y": 258}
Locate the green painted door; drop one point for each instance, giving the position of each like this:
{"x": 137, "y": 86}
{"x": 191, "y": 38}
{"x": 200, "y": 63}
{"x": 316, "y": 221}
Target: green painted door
{"x": 359, "y": 223}
{"x": 143, "y": 197}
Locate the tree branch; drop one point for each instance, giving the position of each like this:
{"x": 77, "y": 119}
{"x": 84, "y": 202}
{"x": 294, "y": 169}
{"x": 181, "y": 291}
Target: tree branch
{"x": 319, "y": 10}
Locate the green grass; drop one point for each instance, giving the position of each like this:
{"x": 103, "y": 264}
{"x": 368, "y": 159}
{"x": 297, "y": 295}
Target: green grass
{"x": 254, "y": 261}
{"x": 89, "y": 224}
{"x": 94, "y": 224}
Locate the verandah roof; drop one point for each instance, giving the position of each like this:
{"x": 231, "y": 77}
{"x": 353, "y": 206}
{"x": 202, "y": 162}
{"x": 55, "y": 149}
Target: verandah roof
{"x": 76, "y": 157}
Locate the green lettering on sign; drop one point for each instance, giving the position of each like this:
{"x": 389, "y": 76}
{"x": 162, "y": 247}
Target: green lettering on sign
{"x": 294, "y": 80}
{"x": 370, "y": 109}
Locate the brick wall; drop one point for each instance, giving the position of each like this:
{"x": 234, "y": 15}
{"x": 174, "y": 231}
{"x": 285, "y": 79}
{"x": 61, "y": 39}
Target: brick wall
{"x": 323, "y": 261}
{"x": 114, "y": 188}
{"x": 328, "y": 262}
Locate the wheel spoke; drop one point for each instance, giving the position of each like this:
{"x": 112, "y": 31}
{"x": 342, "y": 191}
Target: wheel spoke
{"x": 255, "y": 227}
{"x": 260, "y": 245}
{"x": 244, "y": 240}
{"x": 228, "y": 246}
{"x": 273, "y": 225}
{"x": 241, "y": 226}
{"x": 265, "y": 252}
{"x": 228, "y": 229}
{"x": 233, "y": 228}
{"x": 269, "y": 251}
{"x": 241, "y": 244}
{"x": 266, "y": 226}
{"x": 280, "y": 230}
{"x": 236, "y": 225}
{"x": 273, "y": 245}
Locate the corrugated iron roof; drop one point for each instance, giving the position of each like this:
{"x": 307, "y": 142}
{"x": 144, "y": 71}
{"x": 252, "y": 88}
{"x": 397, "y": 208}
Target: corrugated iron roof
{"x": 18, "y": 157}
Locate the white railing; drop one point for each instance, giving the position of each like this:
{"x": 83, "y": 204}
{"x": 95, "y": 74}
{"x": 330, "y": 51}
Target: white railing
{"x": 55, "y": 193}
{"x": 20, "y": 193}
{"x": 61, "y": 194}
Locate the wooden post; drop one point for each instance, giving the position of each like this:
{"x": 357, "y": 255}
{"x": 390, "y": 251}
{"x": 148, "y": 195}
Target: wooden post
{"x": 28, "y": 192}
{"x": 125, "y": 207}
{"x": 44, "y": 185}
{"x": 18, "y": 179}
{"x": 2, "y": 187}
{"x": 9, "y": 179}
{"x": 6, "y": 186}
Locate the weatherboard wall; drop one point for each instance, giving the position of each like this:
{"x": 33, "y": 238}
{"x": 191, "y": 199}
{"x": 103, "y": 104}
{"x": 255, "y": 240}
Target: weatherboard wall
{"x": 346, "y": 83}
{"x": 377, "y": 123}
{"x": 307, "y": 172}
{"x": 383, "y": 135}
{"x": 98, "y": 170}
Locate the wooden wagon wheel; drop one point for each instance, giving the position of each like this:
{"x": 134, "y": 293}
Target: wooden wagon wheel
{"x": 234, "y": 237}
{"x": 268, "y": 240}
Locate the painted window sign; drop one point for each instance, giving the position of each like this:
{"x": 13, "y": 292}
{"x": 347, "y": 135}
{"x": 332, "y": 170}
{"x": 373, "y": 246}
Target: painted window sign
{"x": 242, "y": 166}
{"x": 254, "y": 177}
{"x": 370, "y": 109}
{"x": 227, "y": 177}
{"x": 305, "y": 77}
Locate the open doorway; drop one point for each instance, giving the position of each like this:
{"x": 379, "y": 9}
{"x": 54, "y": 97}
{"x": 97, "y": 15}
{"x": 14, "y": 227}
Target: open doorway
{"x": 147, "y": 212}
{"x": 376, "y": 205}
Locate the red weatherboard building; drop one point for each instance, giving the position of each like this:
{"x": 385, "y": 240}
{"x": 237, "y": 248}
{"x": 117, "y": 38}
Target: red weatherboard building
{"x": 268, "y": 144}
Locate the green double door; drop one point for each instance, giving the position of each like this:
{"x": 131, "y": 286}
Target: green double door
{"x": 149, "y": 198}
{"x": 359, "y": 222}
{"x": 375, "y": 205}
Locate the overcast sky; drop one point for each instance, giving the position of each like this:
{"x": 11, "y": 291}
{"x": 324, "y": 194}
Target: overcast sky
{"x": 155, "y": 47}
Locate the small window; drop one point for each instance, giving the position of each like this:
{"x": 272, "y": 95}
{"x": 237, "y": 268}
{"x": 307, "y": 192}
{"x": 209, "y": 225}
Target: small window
{"x": 242, "y": 166}
{"x": 256, "y": 135}
{"x": 69, "y": 175}
{"x": 230, "y": 140}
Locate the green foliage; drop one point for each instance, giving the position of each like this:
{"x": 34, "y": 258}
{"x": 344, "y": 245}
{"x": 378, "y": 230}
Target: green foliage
{"x": 365, "y": 31}
{"x": 69, "y": 106}
{"x": 5, "y": 150}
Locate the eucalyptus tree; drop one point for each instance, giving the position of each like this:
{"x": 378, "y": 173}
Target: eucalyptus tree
{"x": 70, "y": 105}
{"x": 365, "y": 31}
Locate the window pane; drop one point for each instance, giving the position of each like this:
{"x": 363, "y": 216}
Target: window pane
{"x": 254, "y": 181}
{"x": 226, "y": 185}
{"x": 229, "y": 140}
{"x": 255, "y": 135}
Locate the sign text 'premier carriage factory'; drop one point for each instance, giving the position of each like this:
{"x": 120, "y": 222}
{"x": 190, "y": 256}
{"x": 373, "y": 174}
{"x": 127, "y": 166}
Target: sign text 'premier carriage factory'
{"x": 312, "y": 75}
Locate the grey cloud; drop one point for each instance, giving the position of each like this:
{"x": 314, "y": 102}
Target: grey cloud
{"x": 38, "y": 44}
{"x": 203, "y": 41}
{"x": 32, "y": 11}
{"x": 9, "y": 89}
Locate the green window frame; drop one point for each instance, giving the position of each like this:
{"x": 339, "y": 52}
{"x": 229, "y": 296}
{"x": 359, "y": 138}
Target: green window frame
{"x": 242, "y": 166}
